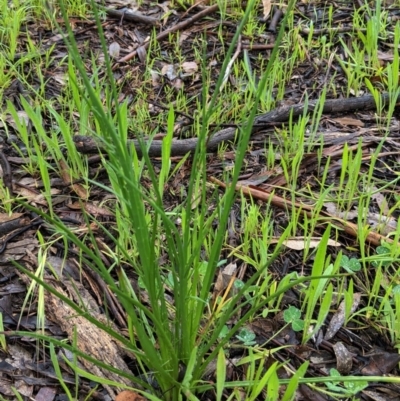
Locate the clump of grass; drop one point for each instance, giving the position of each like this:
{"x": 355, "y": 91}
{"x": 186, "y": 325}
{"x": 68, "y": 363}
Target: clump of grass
{"x": 164, "y": 342}
{"x": 175, "y": 341}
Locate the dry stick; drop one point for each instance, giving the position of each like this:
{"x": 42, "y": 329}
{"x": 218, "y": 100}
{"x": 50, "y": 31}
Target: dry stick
{"x": 350, "y": 228}
{"x": 197, "y": 5}
{"x": 7, "y": 174}
{"x": 131, "y": 16}
{"x": 87, "y": 144}
{"x": 324, "y": 31}
{"x": 175, "y": 28}
{"x": 277, "y": 15}
{"x": 259, "y": 47}
{"x": 180, "y": 147}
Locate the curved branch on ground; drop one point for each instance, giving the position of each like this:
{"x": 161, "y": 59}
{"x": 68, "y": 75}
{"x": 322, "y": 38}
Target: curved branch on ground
{"x": 87, "y": 144}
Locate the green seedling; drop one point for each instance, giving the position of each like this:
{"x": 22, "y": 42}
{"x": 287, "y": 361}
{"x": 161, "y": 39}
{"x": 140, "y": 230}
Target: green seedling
{"x": 259, "y": 376}
{"x": 17, "y": 395}
{"x": 383, "y": 256}
{"x": 321, "y": 290}
{"x": 13, "y": 16}
{"x": 224, "y": 332}
{"x": 247, "y": 337}
{"x": 3, "y": 341}
{"x": 5, "y": 74}
{"x": 351, "y": 265}
{"x": 349, "y": 388}
{"x": 166, "y": 152}
{"x": 292, "y": 316}
{"x": 294, "y": 381}
{"x": 58, "y": 373}
{"x": 6, "y": 200}
{"x": 221, "y": 374}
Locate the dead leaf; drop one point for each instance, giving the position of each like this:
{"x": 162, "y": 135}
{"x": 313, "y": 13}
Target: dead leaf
{"x": 23, "y": 119}
{"x": 263, "y": 326}
{"x": 299, "y": 243}
{"x": 177, "y": 83}
{"x": 183, "y": 37}
{"x": 382, "y": 224}
{"x": 224, "y": 277}
{"x": 155, "y": 78}
{"x": 169, "y": 71}
{"x": 331, "y": 208}
{"x": 128, "y": 395}
{"x": 142, "y": 54}
{"x": 384, "y": 56}
{"x": 66, "y": 177}
{"x": 349, "y": 121}
{"x": 344, "y": 359}
{"x": 380, "y": 363}
{"x": 380, "y": 199}
{"x": 4, "y": 217}
{"x": 338, "y": 318}
{"x": 46, "y": 394}
{"x": 80, "y": 191}
{"x": 267, "y": 8}
{"x": 189, "y": 68}
{"x": 259, "y": 178}
{"x": 114, "y": 50}
{"x": 16, "y": 357}
{"x": 375, "y": 396}
{"x": 34, "y": 197}
{"x": 98, "y": 211}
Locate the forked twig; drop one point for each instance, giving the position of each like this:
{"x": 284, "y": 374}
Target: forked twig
{"x": 177, "y": 27}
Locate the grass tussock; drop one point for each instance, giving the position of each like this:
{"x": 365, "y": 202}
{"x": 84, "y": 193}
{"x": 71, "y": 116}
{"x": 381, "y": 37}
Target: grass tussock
{"x": 194, "y": 270}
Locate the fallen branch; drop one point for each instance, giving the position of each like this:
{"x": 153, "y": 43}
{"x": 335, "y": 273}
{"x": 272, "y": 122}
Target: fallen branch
{"x": 87, "y": 144}
{"x": 285, "y": 204}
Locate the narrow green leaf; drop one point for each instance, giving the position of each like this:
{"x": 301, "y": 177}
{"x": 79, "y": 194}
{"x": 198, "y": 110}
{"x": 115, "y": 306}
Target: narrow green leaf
{"x": 294, "y": 382}
{"x": 221, "y": 374}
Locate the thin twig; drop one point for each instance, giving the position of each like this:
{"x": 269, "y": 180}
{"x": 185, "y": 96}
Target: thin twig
{"x": 7, "y": 175}
{"x": 324, "y": 31}
{"x": 177, "y": 27}
{"x": 131, "y": 16}
{"x": 373, "y": 238}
